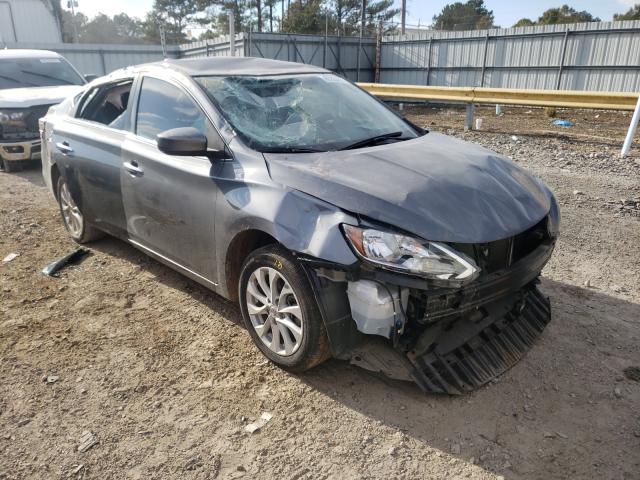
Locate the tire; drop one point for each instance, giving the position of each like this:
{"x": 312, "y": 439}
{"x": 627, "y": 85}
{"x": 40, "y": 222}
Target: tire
{"x": 275, "y": 268}
{"x": 12, "y": 167}
{"x": 73, "y": 218}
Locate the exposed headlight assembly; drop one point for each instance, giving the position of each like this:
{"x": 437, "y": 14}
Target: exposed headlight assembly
{"x": 399, "y": 252}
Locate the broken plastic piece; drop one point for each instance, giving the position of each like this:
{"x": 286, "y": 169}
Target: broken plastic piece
{"x": 259, "y": 423}
{"x": 73, "y": 257}
{"x": 10, "y": 257}
{"x": 87, "y": 440}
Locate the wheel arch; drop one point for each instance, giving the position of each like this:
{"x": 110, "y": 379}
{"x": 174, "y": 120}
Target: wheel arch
{"x": 240, "y": 247}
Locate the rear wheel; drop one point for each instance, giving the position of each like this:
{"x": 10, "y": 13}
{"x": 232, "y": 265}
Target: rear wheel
{"x": 73, "y": 217}
{"x": 280, "y": 311}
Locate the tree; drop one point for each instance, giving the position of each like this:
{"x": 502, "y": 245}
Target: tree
{"x": 270, "y": 4}
{"x": 174, "y": 15}
{"x": 524, "y": 22}
{"x": 345, "y": 16}
{"x": 632, "y": 14}
{"x": 216, "y": 15}
{"x": 380, "y": 11}
{"x": 307, "y": 17}
{"x": 565, "y": 14}
{"x": 472, "y": 15}
{"x": 259, "y": 14}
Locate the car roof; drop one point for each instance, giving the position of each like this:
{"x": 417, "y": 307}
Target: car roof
{"x": 236, "y": 66}
{"x": 25, "y": 53}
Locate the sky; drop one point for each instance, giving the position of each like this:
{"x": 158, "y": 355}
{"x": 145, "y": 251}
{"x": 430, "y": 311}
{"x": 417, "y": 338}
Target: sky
{"x": 506, "y": 12}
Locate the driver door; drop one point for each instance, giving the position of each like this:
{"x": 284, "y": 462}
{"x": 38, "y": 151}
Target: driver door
{"x": 169, "y": 201}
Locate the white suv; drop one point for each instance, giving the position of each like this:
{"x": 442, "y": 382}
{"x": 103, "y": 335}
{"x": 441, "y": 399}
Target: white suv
{"x": 31, "y": 81}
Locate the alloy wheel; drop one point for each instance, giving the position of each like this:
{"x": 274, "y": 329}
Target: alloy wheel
{"x": 70, "y": 212}
{"x": 274, "y": 311}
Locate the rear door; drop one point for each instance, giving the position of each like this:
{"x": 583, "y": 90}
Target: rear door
{"x": 87, "y": 149}
{"x": 169, "y": 200}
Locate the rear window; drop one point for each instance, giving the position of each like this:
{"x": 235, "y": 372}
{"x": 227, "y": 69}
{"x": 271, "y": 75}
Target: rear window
{"x": 37, "y": 72}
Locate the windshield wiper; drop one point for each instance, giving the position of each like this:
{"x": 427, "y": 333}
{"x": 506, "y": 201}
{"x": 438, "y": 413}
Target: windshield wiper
{"x": 19, "y": 82}
{"x": 290, "y": 150}
{"x": 372, "y": 140}
{"x": 50, "y": 77}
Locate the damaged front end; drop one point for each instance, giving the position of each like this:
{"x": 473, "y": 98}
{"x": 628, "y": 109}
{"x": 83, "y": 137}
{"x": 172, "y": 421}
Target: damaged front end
{"x": 450, "y": 332}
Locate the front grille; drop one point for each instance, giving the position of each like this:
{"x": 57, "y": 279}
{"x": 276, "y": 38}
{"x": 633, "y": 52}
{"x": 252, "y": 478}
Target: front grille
{"x": 500, "y": 254}
{"x": 25, "y": 129}
{"x": 456, "y": 367}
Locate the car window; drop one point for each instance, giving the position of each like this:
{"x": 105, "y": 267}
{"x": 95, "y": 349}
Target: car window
{"x": 107, "y": 104}
{"x": 163, "y": 106}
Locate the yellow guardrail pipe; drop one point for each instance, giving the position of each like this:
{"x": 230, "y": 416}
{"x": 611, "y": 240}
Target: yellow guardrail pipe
{"x": 506, "y": 96}
{"x": 514, "y": 96}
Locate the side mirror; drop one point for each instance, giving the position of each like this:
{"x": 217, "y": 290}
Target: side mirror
{"x": 186, "y": 141}
{"x": 90, "y": 77}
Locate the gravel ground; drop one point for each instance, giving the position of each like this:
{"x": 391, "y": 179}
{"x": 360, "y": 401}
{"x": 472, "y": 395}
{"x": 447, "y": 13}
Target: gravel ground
{"x": 165, "y": 379}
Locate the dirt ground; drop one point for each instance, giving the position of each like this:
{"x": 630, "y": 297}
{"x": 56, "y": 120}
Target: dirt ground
{"x": 161, "y": 372}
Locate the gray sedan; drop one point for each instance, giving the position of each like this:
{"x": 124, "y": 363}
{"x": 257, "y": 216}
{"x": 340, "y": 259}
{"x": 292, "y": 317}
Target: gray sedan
{"x": 341, "y": 228}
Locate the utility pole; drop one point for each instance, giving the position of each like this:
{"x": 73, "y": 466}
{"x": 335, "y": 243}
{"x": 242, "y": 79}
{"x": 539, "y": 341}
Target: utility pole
{"x": 73, "y": 4}
{"x": 362, "y": 20}
{"x": 163, "y": 40}
{"x": 404, "y": 16}
{"x": 232, "y": 33}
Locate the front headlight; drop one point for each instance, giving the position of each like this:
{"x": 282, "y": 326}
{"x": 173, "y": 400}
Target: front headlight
{"x": 11, "y": 116}
{"x": 430, "y": 259}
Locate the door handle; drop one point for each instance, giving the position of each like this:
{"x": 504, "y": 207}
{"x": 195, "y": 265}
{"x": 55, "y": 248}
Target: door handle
{"x": 64, "y": 148}
{"x": 133, "y": 169}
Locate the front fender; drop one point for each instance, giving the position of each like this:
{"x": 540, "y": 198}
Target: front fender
{"x": 301, "y": 223}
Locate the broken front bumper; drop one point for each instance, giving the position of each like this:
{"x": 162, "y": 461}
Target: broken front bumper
{"x": 461, "y": 338}
{"x": 474, "y": 353}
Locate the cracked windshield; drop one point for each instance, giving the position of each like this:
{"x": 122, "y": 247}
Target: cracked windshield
{"x": 313, "y": 112}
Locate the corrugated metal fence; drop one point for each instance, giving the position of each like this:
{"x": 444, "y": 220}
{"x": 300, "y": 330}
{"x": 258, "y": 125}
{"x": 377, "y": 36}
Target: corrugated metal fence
{"x": 339, "y": 54}
{"x": 218, "y": 47}
{"x": 100, "y": 59}
{"x": 601, "y": 56}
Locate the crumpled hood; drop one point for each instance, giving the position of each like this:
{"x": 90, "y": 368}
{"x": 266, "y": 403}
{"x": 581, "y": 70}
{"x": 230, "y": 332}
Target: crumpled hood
{"x": 435, "y": 186}
{"x": 32, "y": 96}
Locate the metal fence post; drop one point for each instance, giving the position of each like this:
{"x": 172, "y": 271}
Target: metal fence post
{"x": 338, "y": 54}
{"x": 429, "y": 60}
{"x": 376, "y": 75}
{"x": 562, "y": 55}
{"x": 102, "y": 62}
{"x": 326, "y": 36}
{"x": 628, "y": 141}
{"x": 468, "y": 121}
{"x": 484, "y": 59}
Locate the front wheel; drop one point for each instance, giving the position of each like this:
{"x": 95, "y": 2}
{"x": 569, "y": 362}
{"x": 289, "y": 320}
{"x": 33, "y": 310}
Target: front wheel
{"x": 280, "y": 311}
{"x": 73, "y": 218}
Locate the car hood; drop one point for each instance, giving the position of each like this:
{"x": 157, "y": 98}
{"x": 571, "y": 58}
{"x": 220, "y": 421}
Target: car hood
{"x": 434, "y": 186}
{"x": 32, "y": 96}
